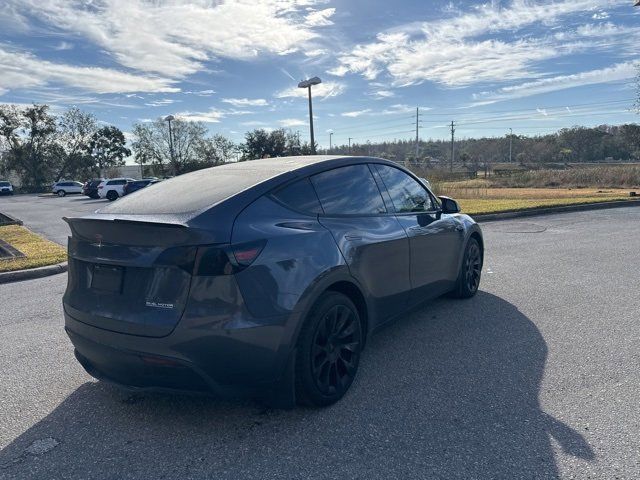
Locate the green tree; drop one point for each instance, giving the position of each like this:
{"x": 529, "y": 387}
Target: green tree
{"x": 29, "y": 139}
{"x": 107, "y": 148}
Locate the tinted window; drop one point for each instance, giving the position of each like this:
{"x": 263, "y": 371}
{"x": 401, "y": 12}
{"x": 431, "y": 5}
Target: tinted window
{"x": 299, "y": 196}
{"x": 348, "y": 190}
{"x": 5, "y": 184}
{"x": 117, "y": 182}
{"x": 407, "y": 195}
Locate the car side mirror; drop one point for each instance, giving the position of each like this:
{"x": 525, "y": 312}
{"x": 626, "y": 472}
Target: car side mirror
{"x": 449, "y": 205}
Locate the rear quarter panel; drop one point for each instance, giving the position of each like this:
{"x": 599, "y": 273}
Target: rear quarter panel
{"x": 299, "y": 251}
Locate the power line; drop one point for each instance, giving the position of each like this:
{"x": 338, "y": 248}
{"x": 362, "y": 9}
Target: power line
{"x": 458, "y": 112}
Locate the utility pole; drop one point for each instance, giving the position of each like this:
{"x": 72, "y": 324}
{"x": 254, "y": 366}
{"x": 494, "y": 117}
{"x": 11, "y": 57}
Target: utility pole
{"x": 330, "y": 145}
{"x": 417, "y": 119}
{"x": 453, "y": 131}
{"x": 350, "y": 144}
{"x": 510, "y": 143}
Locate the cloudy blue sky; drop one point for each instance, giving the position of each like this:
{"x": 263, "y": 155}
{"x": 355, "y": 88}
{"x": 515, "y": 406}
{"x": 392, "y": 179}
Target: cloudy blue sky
{"x": 534, "y": 66}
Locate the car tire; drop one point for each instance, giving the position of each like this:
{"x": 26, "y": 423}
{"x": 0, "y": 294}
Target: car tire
{"x": 112, "y": 195}
{"x": 61, "y": 193}
{"x": 328, "y": 351}
{"x": 470, "y": 272}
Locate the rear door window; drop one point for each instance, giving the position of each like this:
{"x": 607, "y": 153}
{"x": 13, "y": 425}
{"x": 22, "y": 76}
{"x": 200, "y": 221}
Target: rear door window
{"x": 407, "y": 195}
{"x": 348, "y": 190}
{"x": 299, "y": 196}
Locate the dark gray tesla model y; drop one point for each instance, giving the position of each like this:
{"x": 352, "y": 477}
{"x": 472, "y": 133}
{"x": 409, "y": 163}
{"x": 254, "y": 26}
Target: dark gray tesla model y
{"x": 260, "y": 278}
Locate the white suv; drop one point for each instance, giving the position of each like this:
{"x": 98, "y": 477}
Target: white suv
{"x": 111, "y": 189}
{"x": 6, "y": 188}
{"x": 63, "y": 187}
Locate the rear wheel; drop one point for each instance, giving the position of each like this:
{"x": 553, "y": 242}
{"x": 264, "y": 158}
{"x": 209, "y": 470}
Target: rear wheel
{"x": 61, "y": 193}
{"x": 470, "y": 271}
{"x": 112, "y": 195}
{"x": 328, "y": 351}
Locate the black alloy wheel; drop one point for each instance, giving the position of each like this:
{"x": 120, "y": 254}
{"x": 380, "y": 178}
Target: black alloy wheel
{"x": 329, "y": 351}
{"x": 112, "y": 195}
{"x": 470, "y": 271}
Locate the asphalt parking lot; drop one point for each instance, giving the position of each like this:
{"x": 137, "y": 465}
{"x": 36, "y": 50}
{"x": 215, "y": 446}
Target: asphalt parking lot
{"x": 535, "y": 377}
{"x": 43, "y": 214}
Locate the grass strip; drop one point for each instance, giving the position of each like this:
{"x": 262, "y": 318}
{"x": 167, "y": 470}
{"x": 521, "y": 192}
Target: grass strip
{"x": 38, "y": 251}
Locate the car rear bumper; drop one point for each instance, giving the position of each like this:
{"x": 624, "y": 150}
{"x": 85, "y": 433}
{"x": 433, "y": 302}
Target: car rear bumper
{"x": 226, "y": 363}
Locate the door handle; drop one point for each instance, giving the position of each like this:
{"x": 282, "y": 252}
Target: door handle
{"x": 353, "y": 237}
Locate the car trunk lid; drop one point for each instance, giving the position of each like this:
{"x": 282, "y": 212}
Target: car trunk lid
{"x": 130, "y": 275}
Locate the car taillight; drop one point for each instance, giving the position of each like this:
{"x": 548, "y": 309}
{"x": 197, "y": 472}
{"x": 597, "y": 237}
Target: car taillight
{"x": 226, "y": 259}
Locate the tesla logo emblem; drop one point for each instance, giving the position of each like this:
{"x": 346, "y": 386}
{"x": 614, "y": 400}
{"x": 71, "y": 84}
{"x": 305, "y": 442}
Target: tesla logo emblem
{"x": 98, "y": 240}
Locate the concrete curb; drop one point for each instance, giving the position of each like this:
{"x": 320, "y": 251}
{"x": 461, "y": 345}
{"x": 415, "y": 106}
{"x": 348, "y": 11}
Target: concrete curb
{"x": 492, "y": 217}
{"x": 12, "y": 220}
{"x": 30, "y": 274}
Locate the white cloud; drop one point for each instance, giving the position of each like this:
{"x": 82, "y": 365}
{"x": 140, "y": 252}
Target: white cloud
{"x": 356, "y": 113}
{"x": 211, "y": 116}
{"x": 316, "y": 52}
{"x": 323, "y": 90}
{"x": 383, "y": 94}
{"x": 246, "y": 102}
{"x": 339, "y": 71}
{"x": 465, "y": 48}
{"x": 174, "y": 38}
{"x": 252, "y": 123}
{"x": 398, "y": 108}
{"x": 620, "y": 71}
{"x": 63, "y": 46}
{"x": 292, "y": 122}
{"x": 23, "y": 70}
{"x": 160, "y": 103}
{"x": 320, "y": 18}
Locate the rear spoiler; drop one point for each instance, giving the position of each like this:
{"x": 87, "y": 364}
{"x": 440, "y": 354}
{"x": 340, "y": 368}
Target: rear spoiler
{"x": 170, "y": 222}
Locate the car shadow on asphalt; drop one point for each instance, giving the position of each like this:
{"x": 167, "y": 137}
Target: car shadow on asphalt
{"x": 449, "y": 391}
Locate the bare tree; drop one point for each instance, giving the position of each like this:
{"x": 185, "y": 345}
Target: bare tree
{"x": 75, "y": 131}
{"x": 152, "y": 144}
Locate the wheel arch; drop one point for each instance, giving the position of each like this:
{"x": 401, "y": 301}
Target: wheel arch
{"x": 353, "y": 293}
{"x": 337, "y": 280}
{"x": 478, "y": 238}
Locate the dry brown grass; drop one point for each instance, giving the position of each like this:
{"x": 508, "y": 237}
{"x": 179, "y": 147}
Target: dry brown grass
{"x": 39, "y": 251}
{"x": 478, "y": 196}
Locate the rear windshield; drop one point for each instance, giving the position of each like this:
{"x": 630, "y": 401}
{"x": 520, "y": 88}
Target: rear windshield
{"x": 5, "y": 184}
{"x": 188, "y": 193}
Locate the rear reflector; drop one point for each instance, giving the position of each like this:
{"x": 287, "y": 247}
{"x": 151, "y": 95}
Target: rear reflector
{"x": 246, "y": 253}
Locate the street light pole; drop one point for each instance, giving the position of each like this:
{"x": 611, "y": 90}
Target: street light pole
{"x": 313, "y": 143}
{"x": 350, "y": 144}
{"x": 169, "y": 119}
{"x": 308, "y": 84}
{"x": 330, "y": 144}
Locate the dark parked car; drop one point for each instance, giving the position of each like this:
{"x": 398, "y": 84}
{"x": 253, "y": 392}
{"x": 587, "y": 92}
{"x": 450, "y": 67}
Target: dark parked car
{"x": 261, "y": 278}
{"x": 136, "y": 185}
{"x": 90, "y": 188}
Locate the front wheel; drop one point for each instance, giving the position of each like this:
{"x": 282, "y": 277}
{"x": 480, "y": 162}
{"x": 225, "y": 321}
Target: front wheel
{"x": 112, "y": 195}
{"x": 61, "y": 193}
{"x": 470, "y": 271}
{"x": 328, "y": 351}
